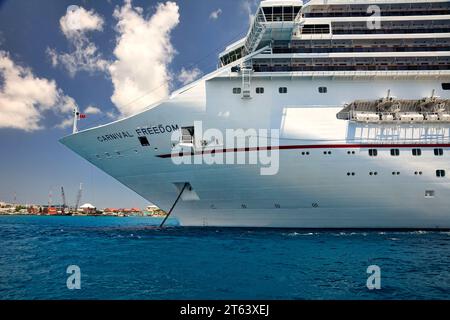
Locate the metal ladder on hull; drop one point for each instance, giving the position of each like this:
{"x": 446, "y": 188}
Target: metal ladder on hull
{"x": 246, "y": 70}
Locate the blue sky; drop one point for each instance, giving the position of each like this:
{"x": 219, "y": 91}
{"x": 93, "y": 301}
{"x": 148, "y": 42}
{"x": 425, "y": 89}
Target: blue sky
{"x": 32, "y": 160}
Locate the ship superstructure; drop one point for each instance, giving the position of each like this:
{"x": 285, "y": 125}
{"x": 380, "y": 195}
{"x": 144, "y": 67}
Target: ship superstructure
{"x": 359, "y": 93}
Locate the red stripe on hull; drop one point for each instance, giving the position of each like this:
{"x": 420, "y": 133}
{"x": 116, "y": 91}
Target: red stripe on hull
{"x": 317, "y": 146}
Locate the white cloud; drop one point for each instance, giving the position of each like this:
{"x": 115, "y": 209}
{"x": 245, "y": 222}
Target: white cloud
{"x": 92, "y": 110}
{"x": 215, "y": 14}
{"x": 75, "y": 25}
{"x": 78, "y": 20}
{"x": 249, "y": 7}
{"x": 112, "y": 115}
{"x": 143, "y": 52}
{"x": 66, "y": 123}
{"x": 187, "y": 76}
{"x": 24, "y": 98}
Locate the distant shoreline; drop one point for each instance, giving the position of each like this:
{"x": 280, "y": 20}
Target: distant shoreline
{"x": 79, "y": 215}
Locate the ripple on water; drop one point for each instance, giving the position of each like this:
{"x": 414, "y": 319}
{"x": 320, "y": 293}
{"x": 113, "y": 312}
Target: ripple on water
{"x": 129, "y": 258}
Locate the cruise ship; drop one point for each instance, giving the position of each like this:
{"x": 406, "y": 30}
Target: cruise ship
{"x": 341, "y": 116}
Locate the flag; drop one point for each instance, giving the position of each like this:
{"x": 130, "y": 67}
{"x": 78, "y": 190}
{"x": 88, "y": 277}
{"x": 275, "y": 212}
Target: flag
{"x": 82, "y": 116}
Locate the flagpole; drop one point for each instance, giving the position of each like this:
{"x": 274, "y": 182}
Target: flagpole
{"x": 76, "y": 114}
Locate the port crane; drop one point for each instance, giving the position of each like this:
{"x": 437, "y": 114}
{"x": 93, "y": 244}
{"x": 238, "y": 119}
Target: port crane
{"x": 63, "y": 196}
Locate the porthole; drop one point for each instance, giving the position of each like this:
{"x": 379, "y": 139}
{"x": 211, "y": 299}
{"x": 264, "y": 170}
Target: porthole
{"x": 440, "y": 173}
{"x": 236, "y": 90}
{"x": 395, "y": 152}
{"x": 282, "y": 90}
{"x": 373, "y": 152}
{"x": 416, "y": 152}
{"x": 323, "y": 89}
{"x": 260, "y": 90}
{"x": 438, "y": 152}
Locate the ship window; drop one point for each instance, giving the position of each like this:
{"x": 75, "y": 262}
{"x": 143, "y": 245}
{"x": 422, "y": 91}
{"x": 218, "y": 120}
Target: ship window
{"x": 373, "y": 152}
{"x": 416, "y": 152}
{"x": 323, "y": 89}
{"x": 277, "y": 13}
{"x": 446, "y": 86}
{"x": 237, "y": 90}
{"x": 395, "y": 152}
{"x": 260, "y": 90}
{"x": 144, "y": 141}
{"x": 316, "y": 29}
{"x": 438, "y": 152}
{"x": 440, "y": 173}
{"x": 282, "y": 90}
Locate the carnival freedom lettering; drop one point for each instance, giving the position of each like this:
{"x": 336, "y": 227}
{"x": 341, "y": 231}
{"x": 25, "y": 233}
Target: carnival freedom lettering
{"x": 145, "y": 131}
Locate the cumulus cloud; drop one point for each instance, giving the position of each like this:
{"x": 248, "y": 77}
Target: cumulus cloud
{"x": 187, "y": 76}
{"x": 24, "y": 98}
{"x": 84, "y": 56}
{"x": 66, "y": 123}
{"x": 92, "y": 110}
{"x": 249, "y": 7}
{"x": 215, "y": 14}
{"x": 143, "y": 52}
{"x": 78, "y": 20}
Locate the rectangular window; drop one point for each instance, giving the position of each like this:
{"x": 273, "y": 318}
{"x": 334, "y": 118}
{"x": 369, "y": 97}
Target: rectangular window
{"x": 236, "y": 90}
{"x": 282, "y": 90}
{"x": 446, "y": 86}
{"x": 395, "y": 152}
{"x": 316, "y": 29}
{"x": 416, "y": 152}
{"x": 373, "y": 152}
{"x": 144, "y": 141}
{"x": 440, "y": 173}
{"x": 323, "y": 89}
{"x": 260, "y": 90}
{"x": 438, "y": 152}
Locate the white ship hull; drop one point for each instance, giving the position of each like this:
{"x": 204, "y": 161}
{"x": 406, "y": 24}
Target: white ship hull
{"x": 309, "y": 191}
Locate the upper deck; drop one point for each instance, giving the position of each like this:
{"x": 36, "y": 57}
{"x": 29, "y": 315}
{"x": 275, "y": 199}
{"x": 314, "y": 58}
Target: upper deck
{"x": 289, "y": 22}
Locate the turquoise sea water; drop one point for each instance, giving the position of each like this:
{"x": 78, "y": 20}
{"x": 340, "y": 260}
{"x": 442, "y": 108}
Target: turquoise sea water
{"x": 129, "y": 258}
